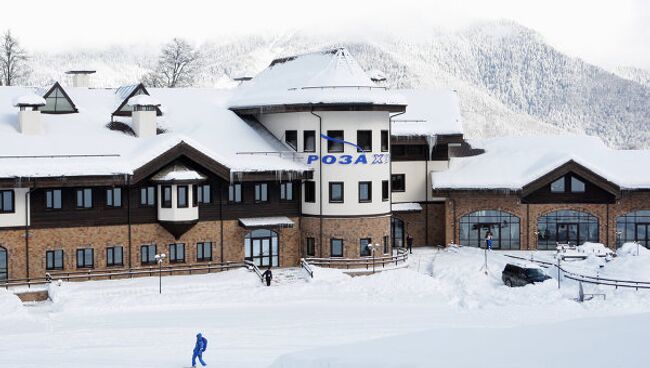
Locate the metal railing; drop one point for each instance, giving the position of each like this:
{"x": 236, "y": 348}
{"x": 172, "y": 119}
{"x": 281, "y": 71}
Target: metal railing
{"x": 307, "y": 267}
{"x": 253, "y": 267}
{"x": 367, "y": 262}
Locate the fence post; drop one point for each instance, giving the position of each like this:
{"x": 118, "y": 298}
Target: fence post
{"x": 559, "y": 273}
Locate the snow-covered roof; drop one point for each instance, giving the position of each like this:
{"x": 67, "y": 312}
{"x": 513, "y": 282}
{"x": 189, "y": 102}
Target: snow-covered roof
{"x": 282, "y": 221}
{"x": 143, "y": 100}
{"x": 324, "y": 77}
{"x": 428, "y": 113}
{"x": 80, "y": 144}
{"x": 29, "y": 99}
{"x": 178, "y": 172}
{"x": 513, "y": 162}
{"x": 406, "y": 207}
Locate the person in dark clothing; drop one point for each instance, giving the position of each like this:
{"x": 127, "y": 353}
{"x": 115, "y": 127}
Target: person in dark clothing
{"x": 409, "y": 243}
{"x": 268, "y": 276}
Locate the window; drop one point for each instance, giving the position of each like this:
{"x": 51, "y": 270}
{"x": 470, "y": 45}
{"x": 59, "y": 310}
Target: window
{"x": 181, "y": 196}
{"x": 336, "y": 192}
{"x": 166, "y": 196}
{"x": 364, "y": 140}
{"x": 234, "y": 193}
{"x": 365, "y": 191}
{"x": 577, "y": 185}
{"x": 504, "y": 228}
{"x": 56, "y": 101}
{"x": 54, "y": 259}
{"x": 114, "y": 197}
{"x": 336, "y": 247}
{"x": 384, "y": 140}
{"x": 566, "y": 227}
{"x": 203, "y": 193}
{"x": 286, "y": 191}
{"x": 203, "y": 251}
{"x": 84, "y": 198}
{"x": 384, "y": 190}
{"x": 262, "y": 247}
{"x": 309, "y": 141}
{"x": 148, "y": 254}
{"x": 398, "y": 182}
{"x": 177, "y": 253}
{"x": 311, "y": 247}
{"x": 335, "y": 145}
{"x": 291, "y": 138}
{"x": 310, "y": 191}
{"x": 261, "y": 192}
{"x": 364, "y": 250}
{"x": 6, "y": 201}
{"x": 558, "y": 186}
{"x": 386, "y": 243}
{"x": 53, "y": 199}
{"x": 148, "y": 196}
{"x": 633, "y": 226}
{"x": 114, "y": 256}
{"x": 85, "y": 258}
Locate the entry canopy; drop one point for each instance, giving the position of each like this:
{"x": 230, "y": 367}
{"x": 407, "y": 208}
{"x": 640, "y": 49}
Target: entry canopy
{"x": 263, "y": 222}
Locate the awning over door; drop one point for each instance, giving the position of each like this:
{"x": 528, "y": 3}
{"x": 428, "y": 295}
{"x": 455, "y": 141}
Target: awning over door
{"x": 406, "y": 207}
{"x": 265, "y": 222}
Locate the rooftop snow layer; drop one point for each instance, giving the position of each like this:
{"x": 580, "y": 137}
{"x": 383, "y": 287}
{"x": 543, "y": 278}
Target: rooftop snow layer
{"x": 178, "y": 172}
{"x": 329, "y": 76}
{"x": 513, "y": 162}
{"x": 406, "y": 207}
{"x": 30, "y": 99}
{"x": 428, "y": 113}
{"x": 143, "y": 100}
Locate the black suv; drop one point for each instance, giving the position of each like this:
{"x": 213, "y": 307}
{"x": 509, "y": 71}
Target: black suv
{"x": 517, "y": 275}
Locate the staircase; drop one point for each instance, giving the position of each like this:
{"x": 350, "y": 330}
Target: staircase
{"x": 289, "y": 275}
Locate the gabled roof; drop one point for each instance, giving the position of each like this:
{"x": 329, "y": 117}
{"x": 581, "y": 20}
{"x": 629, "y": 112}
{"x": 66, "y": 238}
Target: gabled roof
{"x": 58, "y": 89}
{"x": 124, "y": 93}
{"x": 571, "y": 167}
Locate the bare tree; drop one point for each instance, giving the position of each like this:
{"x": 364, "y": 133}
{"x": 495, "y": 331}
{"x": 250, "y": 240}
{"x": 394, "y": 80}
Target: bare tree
{"x": 177, "y": 66}
{"x": 13, "y": 60}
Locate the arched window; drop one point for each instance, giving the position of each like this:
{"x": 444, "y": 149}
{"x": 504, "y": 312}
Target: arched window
{"x": 397, "y": 230}
{"x": 261, "y": 247}
{"x": 633, "y": 226}
{"x": 566, "y": 227}
{"x": 4, "y": 271}
{"x": 504, "y": 227}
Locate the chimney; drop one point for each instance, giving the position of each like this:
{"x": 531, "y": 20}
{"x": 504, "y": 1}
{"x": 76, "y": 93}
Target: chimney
{"x": 29, "y": 116}
{"x": 80, "y": 77}
{"x": 143, "y": 116}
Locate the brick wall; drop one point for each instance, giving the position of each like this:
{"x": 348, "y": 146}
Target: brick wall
{"x": 415, "y": 224}
{"x": 351, "y": 230}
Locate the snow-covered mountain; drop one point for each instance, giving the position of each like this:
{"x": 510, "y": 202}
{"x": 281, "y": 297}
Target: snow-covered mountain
{"x": 510, "y": 81}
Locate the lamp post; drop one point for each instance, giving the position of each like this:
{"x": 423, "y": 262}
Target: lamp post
{"x": 160, "y": 258}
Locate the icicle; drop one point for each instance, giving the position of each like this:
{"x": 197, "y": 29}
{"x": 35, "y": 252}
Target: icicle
{"x": 432, "y": 140}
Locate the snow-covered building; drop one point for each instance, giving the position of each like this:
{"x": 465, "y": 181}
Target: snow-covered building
{"x": 310, "y": 158}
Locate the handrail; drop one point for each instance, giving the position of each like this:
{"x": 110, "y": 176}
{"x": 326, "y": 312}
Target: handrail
{"x": 401, "y": 256}
{"x": 307, "y": 267}
{"x": 252, "y": 266}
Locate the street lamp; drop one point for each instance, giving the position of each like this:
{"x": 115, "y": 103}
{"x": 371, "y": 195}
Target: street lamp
{"x": 160, "y": 258}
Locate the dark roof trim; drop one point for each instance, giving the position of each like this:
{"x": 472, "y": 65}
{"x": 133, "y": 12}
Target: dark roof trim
{"x": 569, "y": 167}
{"x": 271, "y": 175}
{"x": 64, "y": 181}
{"x": 269, "y": 109}
{"x": 65, "y": 94}
{"x": 141, "y": 87}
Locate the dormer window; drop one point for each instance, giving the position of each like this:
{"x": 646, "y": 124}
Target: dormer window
{"x": 577, "y": 185}
{"x": 558, "y": 186}
{"x": 568, "y": 184}
{"x": 57, "y": 101}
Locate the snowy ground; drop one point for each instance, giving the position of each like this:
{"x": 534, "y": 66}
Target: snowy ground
{"x": 442, "y": 310}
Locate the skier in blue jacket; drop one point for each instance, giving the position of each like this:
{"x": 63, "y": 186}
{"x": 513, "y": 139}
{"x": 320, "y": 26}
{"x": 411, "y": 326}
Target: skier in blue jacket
{"x": 199, "y": 348}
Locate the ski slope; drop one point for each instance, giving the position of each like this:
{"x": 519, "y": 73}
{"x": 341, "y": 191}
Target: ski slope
{"x": 442, "y": 311}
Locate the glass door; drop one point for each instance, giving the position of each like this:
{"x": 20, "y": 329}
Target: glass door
{"x": 568, "y": 234}
{"x": 4, "y": 274}
{"x": 495, "y": 229}
{"x": 642, "y": 234}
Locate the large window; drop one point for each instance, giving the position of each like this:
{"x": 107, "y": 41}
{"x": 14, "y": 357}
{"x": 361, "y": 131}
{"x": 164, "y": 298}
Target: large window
{"x": 309, "y": 141}
{"x": 181, "y": 196}
{"x": 148, "y": 254}
{"x": 336, "y": 192}
{"x": 397, "y": 230}
{"x": 336, "y": 144}
{"x": 84, "y": 198}
{"x": 85, "y": 258}
{"x": 365, "y": 191}
{"x": 57, "y": 102}
{"x": 203, "y": 251}
{"x": 166, "y": 196}
{"x": 177, "y": 253}
{"x": 54, "y": 259}
{"x": 261, "y": 246}
{"x": 114, "y": 197}
{"x": 261, "y": 192}
{"x": 398, "y": 182}
{"x": 311, "y": 247}
{"x": 4, "y": 270}
{"x": 7, "y": 201}
{"x": 384, "y": 140}
{"x": 504, "y": 228}
{"x": 286, "y": 191}
{"x": 53, "y": 199}
{"x": 577, "y": 185}
{"x": 310, "y": 191}
{"x": 566, "y": 227}
{"x": 234, "y": 193}
{"x": 364, "y": 140}
{"x": 336, "y": 247}
{"x": 384, "y": 190}
{"x": 634, "y": 226}
{"x": 115, "y": 256}
{"x": 386, "y": 244}
{"x": 364, "y": 250}
{"x": 558, "y": 186}
{"x": 148, "y": 196}
{"x": 291, "y": 138}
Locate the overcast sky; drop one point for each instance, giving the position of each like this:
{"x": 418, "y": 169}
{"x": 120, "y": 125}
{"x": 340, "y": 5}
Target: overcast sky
{"x": 604, "y": 32}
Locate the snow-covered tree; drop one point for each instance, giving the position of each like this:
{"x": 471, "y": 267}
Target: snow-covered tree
{"x": 13, "y": 60}
{"x": 178, "y": 65}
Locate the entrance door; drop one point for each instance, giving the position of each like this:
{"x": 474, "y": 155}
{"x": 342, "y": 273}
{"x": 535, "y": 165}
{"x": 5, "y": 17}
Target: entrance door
{"x": 262, "y": 248}
{"x": 568, "y": 233}
{"x": 4, "y": 274}
{"x": 643, "y": 234}
{"x": 495, "y": 229}
{"x": 397, "y": 227}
